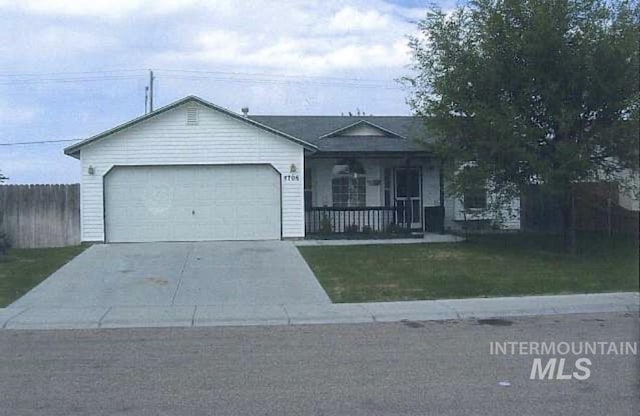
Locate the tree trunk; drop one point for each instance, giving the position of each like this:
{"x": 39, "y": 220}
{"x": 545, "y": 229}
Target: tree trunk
{"x": 569, "y": 221}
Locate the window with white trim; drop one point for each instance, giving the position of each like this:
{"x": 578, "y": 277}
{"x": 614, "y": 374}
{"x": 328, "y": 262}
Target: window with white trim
{"x": 349, "y": 184}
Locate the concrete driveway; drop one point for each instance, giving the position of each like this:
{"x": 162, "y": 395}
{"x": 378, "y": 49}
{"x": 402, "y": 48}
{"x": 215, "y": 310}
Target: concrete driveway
{"x": 175, "y": 274}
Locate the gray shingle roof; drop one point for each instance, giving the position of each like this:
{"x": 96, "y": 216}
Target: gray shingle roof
{"x": 308, "y": 130}
{"x": 311, "y": 128}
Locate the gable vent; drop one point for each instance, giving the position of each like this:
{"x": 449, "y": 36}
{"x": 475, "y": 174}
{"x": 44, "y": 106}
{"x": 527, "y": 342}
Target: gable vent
{"x": 192, "y": 115}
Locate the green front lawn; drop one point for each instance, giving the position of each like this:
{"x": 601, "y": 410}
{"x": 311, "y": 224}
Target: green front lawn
{"x": 484, "y": 266}
{"x": 22, "y": 269}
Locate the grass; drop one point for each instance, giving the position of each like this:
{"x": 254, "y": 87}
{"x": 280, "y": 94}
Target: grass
{"x": 483, "y": 266}
{"x": 22, "y": 269}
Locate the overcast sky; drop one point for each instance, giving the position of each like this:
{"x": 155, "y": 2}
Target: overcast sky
{"x": 70, "y": 69}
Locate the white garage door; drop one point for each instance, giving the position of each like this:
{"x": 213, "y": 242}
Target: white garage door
{"x": 192, "y": 203}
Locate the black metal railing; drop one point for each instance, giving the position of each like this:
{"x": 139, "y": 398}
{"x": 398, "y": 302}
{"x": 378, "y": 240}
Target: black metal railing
{"x": 335, "y": 220}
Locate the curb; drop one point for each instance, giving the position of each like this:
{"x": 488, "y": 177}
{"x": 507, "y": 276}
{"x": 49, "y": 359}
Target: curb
{"x": 306, "y": 314}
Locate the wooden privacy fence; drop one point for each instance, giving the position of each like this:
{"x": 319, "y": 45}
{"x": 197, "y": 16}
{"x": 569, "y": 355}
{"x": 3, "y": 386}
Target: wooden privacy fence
{"x": 596, "y": 209}
{"x": 40, "y": 215}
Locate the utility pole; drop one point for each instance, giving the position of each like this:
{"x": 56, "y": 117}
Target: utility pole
{"x": 146, "y": 99}
{"x": 151, "y": 78}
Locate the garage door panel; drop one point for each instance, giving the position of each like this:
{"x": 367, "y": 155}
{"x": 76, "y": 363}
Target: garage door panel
{"x": 189, "y": 203}
{"x": 222, "y": 194}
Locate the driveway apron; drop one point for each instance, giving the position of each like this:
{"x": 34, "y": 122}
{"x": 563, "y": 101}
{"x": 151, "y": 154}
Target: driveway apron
{"x": 167, "y": 274}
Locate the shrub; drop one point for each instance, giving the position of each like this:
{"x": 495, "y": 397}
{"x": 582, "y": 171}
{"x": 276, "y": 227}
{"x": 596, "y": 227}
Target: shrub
{"x": 393, "y": 228}
{"x": 5, "y": 244}
{"x": 352, "y": 229}
{"x": 325, "y": 225}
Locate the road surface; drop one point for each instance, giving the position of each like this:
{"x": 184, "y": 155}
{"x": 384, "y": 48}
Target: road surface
{"x": 410, "y": 368}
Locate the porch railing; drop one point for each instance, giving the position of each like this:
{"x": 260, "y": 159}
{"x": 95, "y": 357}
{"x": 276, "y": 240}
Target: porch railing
{"x": 329, "y": 220}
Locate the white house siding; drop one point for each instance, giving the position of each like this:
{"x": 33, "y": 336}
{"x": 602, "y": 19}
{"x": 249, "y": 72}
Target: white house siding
{"x": 430, "y": 184}
{"x": 629, "y": 200}
{"x": 167, "y": 140}
{"x": 628, "y": 197}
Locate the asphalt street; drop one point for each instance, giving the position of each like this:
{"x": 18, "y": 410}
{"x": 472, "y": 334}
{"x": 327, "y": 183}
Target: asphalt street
{"x": 406, "y": 368}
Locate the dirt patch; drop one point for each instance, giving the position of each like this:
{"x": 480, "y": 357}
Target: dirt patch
{"x": 253, "y": 250}
{"x": 495, "y": 322}
{"x": 412, "y": 324}
{"x": 445, "y": 255}
{"x": 387, "y": 286}
{"x": 157, "y": 281}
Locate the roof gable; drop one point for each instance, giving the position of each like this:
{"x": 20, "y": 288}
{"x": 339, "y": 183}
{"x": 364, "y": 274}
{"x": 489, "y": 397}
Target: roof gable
{"x": 361, "y": 128}
{"x": 74, "y": 149}
{"x": 311, "y": 128}
{"x": 402, "y": 133}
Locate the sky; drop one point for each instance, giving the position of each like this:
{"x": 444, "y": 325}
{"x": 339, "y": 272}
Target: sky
{"x": 70, "y": 69}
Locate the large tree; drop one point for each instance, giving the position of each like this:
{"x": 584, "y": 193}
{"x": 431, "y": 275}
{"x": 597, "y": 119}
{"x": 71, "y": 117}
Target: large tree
{"x": 531, "y": 92}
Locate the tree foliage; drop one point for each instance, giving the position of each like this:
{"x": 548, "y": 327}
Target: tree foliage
{"x": 531, "y": 91}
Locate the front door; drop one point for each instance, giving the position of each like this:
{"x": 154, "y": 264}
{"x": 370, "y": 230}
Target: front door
{"x": 408, "y": 197}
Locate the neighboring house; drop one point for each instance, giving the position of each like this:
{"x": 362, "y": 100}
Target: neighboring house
{"x": 194, "y": 171}
{"x": 628, "y": 198}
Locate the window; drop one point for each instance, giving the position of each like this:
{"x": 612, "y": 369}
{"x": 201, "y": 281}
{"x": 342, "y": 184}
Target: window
{"x": 475, "y": 198}
{"x": 308, "y": 194}
{"x": 349, "y": 184}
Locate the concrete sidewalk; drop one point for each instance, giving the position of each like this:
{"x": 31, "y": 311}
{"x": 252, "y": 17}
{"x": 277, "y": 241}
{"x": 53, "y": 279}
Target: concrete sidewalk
{"x": 293, "y": 314}
{"x": 427, "y": 238}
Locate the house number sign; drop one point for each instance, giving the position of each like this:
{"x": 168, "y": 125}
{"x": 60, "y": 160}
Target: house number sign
{"x": 293, "y": 174}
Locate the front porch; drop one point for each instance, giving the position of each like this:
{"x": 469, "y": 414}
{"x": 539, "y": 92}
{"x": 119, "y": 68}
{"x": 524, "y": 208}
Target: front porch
{"x": 372, "y": 196}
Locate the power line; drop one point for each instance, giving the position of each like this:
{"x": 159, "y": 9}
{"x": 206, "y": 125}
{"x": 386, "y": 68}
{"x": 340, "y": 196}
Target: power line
{"x": 300, "y": 81}
{"x": 221, "y": 76}
{"x": 263, "y": 74}
{"x": 285, "y": 82}
{"x": 38, "y": 74}
{"x": 38, "y": 142}
{"x": 67, "y": 80}
{"x": 246, "y": 77}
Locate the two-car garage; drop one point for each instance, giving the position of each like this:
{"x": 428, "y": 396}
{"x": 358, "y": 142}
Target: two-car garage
{"x": 192, "y": 203}
{"x": 191, "y": 171}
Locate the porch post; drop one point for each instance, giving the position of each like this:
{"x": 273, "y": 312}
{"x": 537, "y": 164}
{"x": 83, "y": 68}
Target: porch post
{"x": 407, "y": 207}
